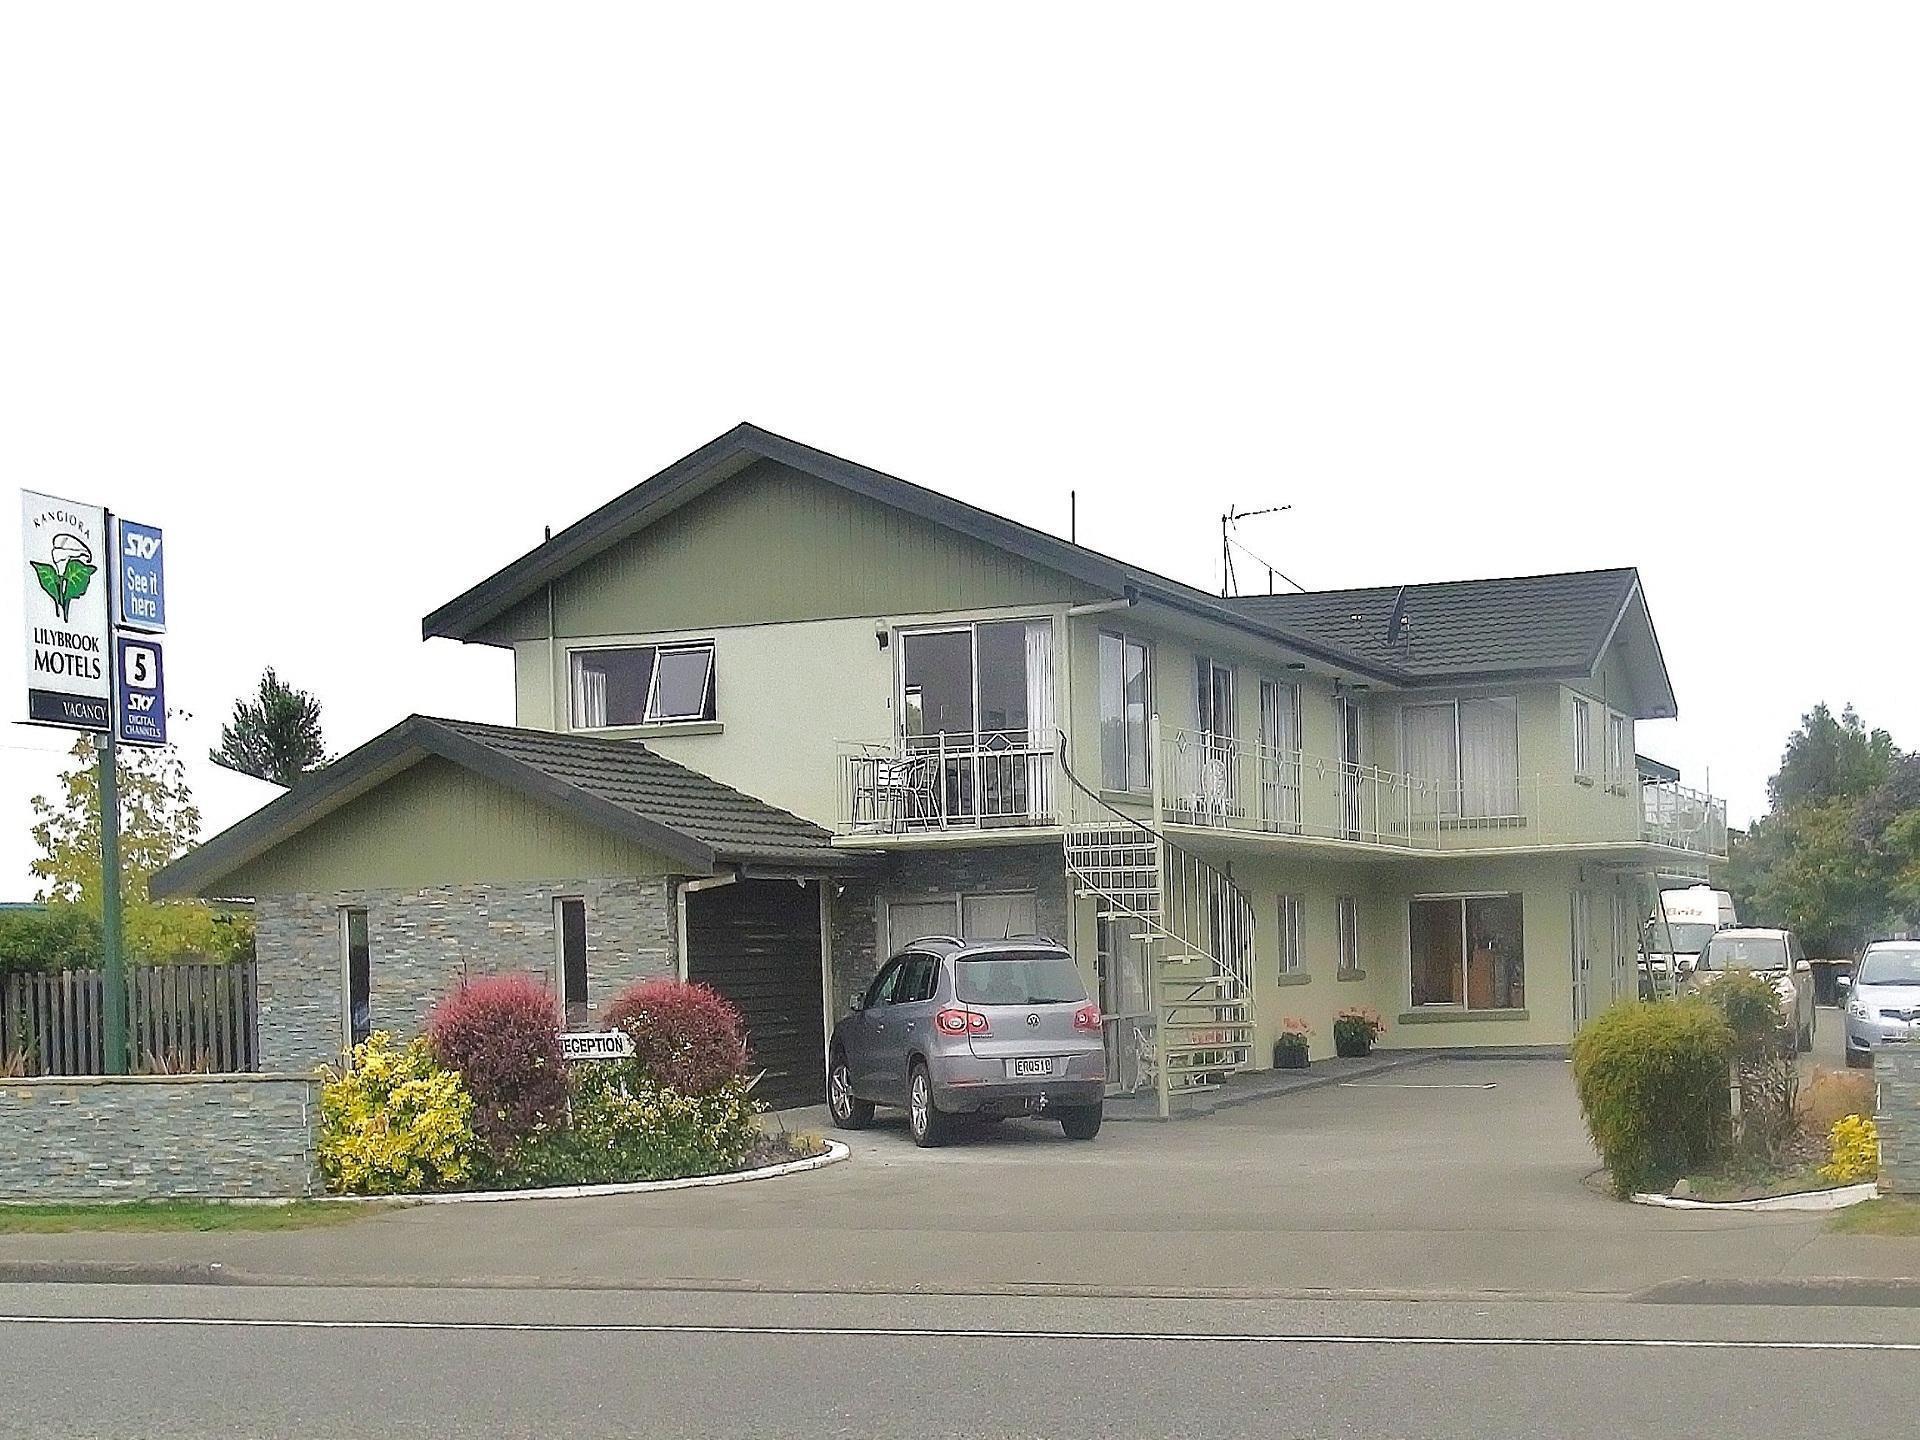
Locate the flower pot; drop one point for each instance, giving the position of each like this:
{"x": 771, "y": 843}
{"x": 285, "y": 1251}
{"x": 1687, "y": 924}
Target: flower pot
{"x": 1351, "y": 1047}
{"x": 1289, "y": 1057}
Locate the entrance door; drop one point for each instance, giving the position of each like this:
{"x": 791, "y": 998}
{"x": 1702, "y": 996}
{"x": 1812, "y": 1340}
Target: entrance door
{"x": 1582, "y": 949}
{"x": 1125, "y": 966}
{"x": 758, "y": 943}
{"x": 1349, "y": 720}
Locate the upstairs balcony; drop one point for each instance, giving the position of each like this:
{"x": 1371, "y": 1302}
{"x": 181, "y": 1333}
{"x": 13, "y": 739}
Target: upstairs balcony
{"x": 1009, "y": 780}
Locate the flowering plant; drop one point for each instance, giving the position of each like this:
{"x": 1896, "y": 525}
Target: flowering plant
{"x": 392, "y": 1122}
{"x": 1356, "y": 1028}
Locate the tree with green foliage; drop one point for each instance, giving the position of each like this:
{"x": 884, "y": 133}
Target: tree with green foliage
{"x": 158, "y": 823}
{"x": 273, "y": 736}
{"x": 1837, "y": 856}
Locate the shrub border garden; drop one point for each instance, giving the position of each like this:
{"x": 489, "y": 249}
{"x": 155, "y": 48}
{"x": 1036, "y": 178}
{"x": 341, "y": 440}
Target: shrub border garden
{"x": 835, "y": 1153}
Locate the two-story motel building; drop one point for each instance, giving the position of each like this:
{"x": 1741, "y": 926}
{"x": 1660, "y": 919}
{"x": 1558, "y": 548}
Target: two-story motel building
{"x": 777, "y": 714}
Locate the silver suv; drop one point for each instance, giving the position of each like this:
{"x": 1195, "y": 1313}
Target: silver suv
{"x": 987, "y": 1029}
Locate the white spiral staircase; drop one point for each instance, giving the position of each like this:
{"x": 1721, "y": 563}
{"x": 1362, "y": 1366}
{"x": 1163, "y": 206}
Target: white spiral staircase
{"x": 1197, "y": 927}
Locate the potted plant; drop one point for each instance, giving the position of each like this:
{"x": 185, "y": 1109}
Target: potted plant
{"x": 1355, "y": 1029}
{"x": 1290, "y": 1046}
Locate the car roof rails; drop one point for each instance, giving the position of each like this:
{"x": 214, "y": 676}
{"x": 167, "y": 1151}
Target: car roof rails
{"x": 933, "y": 940}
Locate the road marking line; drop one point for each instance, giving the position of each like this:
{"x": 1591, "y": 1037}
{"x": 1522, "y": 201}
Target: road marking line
{"x": 927, "y": 1332}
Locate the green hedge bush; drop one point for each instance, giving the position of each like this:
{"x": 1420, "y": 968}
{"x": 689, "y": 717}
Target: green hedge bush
{"x": 1652, "y": 1081}
{"x": 627, "y": 1127}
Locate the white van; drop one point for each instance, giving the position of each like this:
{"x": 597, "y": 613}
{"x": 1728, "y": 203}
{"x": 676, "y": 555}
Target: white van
{"x": 1681, "y": 928}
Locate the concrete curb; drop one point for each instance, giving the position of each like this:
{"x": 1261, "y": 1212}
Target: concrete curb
{"x": 836, "y": 1152}
{"x": 1835, "y": 1199}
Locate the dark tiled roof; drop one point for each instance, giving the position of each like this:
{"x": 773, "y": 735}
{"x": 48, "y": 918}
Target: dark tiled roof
{"x": 1527, "y": 624}
{"x": 731, "y": 823}
{"x": 618, "y": 785}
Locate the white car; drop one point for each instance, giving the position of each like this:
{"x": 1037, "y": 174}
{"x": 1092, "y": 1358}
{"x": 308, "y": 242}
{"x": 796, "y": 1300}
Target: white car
{"x": 1776, "y": 956}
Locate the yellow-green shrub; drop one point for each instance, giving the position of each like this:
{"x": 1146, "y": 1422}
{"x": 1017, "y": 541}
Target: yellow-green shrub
{"x": 1855, "y": 1151}
{"x": 1652, "y": 1082}
{"x": 394, "y": 1123}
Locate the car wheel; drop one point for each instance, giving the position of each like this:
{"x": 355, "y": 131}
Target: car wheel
{"x": 849, "y": 1111}
{"x": 926, "y": 1122}
{"x": 1082, "y": 1122}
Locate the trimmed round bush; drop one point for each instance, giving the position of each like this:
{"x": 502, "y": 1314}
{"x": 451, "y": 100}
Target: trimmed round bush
{"x": 686, "y": 1037}
{"x": 393, "y": 1122}
{"x": 1652, "y": 1081}
{"x": 502, "y": 1034}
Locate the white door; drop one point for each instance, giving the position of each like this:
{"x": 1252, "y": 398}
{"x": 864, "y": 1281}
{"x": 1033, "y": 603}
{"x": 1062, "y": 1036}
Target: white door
{"x": 1582, "y": 928}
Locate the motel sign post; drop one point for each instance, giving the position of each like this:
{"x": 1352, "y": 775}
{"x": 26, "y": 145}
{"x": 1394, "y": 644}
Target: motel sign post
{"x": 95, "y": 609}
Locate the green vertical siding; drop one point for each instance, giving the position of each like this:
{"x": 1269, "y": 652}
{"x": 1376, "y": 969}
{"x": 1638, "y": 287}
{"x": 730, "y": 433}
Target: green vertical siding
{"x": 774, "y": 545}
{"x": 437, "y": 824}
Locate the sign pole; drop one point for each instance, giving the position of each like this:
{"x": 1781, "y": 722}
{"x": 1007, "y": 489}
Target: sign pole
{"x": 114, "y": 976}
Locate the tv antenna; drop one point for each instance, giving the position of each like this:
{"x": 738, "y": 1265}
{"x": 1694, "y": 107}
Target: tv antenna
{"x": 1229, "y": 542}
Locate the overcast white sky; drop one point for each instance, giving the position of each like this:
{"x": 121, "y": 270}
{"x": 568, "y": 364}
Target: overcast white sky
{"x": 354, "y": 299}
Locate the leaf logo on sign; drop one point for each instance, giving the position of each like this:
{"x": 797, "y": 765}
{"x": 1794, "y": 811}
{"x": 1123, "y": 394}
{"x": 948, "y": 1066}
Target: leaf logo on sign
{"x": 70, "y": 572}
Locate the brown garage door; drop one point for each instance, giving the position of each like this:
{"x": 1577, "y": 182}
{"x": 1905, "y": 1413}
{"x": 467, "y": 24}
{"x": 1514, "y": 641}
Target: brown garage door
{"x": 758, "y": 943}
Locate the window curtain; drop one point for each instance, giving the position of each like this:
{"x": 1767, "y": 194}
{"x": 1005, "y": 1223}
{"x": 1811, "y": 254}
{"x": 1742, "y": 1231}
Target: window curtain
{"x": 1113, "y": 717}
{"x": 1040, "y": 724}
{"x": 1433, "y": 762}
{"x": 589, "y": 697}
{"x": 1490, "y": 758}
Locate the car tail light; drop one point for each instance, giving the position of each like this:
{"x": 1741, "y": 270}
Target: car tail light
{"x": 962, "y": 1022}
{"x": 1087, "y": 1017}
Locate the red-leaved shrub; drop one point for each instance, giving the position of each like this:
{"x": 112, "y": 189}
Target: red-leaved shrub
{"x": 686, "y": 1037}
{"x": 503, "y": 1035}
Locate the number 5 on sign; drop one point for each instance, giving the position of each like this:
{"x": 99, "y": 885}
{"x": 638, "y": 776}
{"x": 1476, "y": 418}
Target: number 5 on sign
{"x": 140, "y": 709}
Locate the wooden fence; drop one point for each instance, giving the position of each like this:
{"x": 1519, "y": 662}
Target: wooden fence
{"x": 182, "y": 1016}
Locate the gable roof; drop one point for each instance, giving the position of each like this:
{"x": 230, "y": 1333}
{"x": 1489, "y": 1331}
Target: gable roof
{"x": 1524, "y": 624}
{"x": 466, "y": 615}
{"x": 617, "y": 785}
{"x": 1528, "y": 626}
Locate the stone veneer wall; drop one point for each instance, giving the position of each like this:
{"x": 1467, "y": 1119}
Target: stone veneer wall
{"x": 1896, "y": 1076}
{"x": 146, "y": 1137}
{"x": 423, "y": 942}
{"x": 921, "y": 874}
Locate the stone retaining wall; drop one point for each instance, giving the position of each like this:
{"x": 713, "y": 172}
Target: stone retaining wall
{"x": 1896, "y": 1075}
{"x": 158, "y": 1137}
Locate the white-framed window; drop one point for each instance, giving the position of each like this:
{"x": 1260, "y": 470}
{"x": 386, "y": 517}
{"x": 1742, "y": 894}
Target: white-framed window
{"x": 1582, "y": 952}
{"x": 356, "y": 961}
{"x": 1620, "y": 766}
{"x": 641, "y": 685}
{"x": 1346, "y": 918}
{"x": 1290, "y": 936}
{"x": 1582, "y": 737}
{"x": 1125, "y": 702}
{"x": 570, "y": 955}
{"x": 1462, "y": 757}
{"x": 1467, "y": 952}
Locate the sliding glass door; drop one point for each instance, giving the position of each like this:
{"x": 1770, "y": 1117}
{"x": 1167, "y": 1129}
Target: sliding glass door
{"x": 976, "y": 719}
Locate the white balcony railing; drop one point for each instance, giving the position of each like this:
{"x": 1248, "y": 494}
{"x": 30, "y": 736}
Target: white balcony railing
{"x": 1009, "y": 779}
{"x": 1671, "y": 814}
{"x": 927, "y": 783}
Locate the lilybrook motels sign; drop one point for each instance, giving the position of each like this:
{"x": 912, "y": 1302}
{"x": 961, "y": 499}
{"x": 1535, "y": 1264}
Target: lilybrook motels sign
{"x": 84, "y": 670}
{"x": 68, "y": 680}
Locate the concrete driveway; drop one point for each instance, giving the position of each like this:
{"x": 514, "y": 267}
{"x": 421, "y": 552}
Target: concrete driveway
{"x": 1455, "y": 1177}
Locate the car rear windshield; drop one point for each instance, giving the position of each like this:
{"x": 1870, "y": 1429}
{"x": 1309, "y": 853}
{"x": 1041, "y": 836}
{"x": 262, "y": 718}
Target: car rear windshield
{"x": 1891, "y": 967}
{"x": 1745, "y": 952}
{"x": 1017, "y": 980}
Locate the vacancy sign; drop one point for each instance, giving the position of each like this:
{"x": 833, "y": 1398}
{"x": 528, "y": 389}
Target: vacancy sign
{"x": 139, "y": 591}
{"x": 140, "y": 708}
{"x": 65, "y": 571}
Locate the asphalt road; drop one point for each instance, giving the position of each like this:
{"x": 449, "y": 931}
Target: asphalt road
{"x": 110, "y": 1360}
